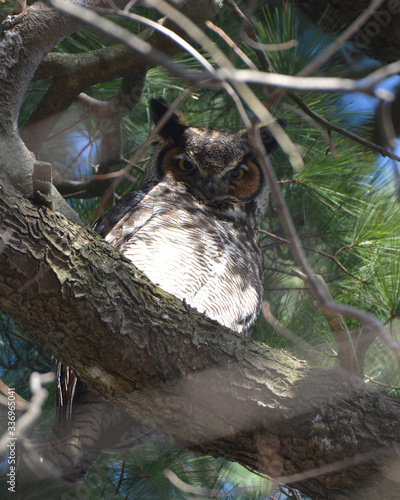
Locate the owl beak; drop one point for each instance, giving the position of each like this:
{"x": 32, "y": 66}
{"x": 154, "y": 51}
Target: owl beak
{"x": 210, "y": 188}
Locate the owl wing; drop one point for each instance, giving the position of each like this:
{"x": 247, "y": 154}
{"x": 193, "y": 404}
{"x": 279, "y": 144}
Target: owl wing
{"x": 105, "y": 222}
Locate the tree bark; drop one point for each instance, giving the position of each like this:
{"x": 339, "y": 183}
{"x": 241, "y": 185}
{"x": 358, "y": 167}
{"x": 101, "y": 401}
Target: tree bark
{"x": 22, "y": 48}
{"x": 71, "y": 74}
{"x": 24, "y": 42}
{"x": 213, "y": 390}
{"x": 158, "y": 359}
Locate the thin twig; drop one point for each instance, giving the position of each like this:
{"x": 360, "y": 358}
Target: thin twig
{"x": 325, "y": 305}
{"x": 335, "y": 128}
{"x": 346, "y": 463}
{"x": 39, "y": 396}
{"x": 317, "y": 84}
{"x": 162, "y": 29}
{"x": 20, "y": 402}
{"x": 371, "y": 322}
{"x": 285, "y": 332}
{"x": 239, "y": 52}
{"x": 267, "y": 67}
{"x": 384, "y": 111}
{"x": 344, "y": 342}
{"x": 214, "y": 493}
{"x": 312, "y": 122}
{"x": 121, "y": 477}
{"x": 335, "y": 46}
{"x": 250, "y": 32}
{"x": 134, "y": 42}
{"x": 247, "y": 95}
{"x": 396, "y": 388}
{"x": 188, "y": 488}
{"x": 319, "y": 252}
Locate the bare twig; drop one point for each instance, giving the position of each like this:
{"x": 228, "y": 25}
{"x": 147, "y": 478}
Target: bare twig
{"x": 312, "y": 122}
{"x": 239, "y": 52}
{"x": 385, "y": 451}
{"x": 393, "y": 387}
{"x": 95, "y": 185}
{"x": 39, "y": 396}
{"x": 267, "y": 67}
{"x": 137, "y": 44}
{"x": 346, "y": 133}
{"x": 335, "y": 46}
{"x": 384, "y": 111}
{"x": 292, "y": 337}
{"x": 270, "y": 47}
{"x": 121, "y": 477}
{"x": 251, "y": 34}
{"x": 319, "y": 252}
{"x": 188, "y": 488}
{"x": 326, "y": 305}
{"x": 165, "y": 31}
{"x": 20, "y": 402}
{"x": 242, "y": 88}
{"x": 110, "y": 114}
{"x": 318, "y": 84}
{"x": 214, "y": 493}
{"x": 344, "y": 342}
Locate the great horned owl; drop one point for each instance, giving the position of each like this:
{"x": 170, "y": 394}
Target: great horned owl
{"x": 192, "y": 229}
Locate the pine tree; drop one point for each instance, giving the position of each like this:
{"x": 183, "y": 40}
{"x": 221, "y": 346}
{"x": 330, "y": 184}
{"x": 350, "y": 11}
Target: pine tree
{"x": 342, "y": 202}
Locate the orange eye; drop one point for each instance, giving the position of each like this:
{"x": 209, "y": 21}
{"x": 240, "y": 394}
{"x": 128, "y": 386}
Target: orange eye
{"x": 238, "y": 173}
{"x": 186, "y": 165}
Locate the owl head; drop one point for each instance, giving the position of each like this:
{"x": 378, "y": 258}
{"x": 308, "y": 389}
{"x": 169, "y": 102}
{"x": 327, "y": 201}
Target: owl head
{"x": 218, "y": 168}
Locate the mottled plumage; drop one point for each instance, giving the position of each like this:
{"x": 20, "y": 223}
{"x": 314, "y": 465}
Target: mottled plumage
{"x": 192, "y": 229}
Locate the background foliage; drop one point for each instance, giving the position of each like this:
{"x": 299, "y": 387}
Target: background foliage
{"x": 345, "y": 211}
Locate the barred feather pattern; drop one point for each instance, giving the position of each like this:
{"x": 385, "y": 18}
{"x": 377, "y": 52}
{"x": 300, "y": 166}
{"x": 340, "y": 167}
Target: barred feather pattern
{"x": 214, "y": 264}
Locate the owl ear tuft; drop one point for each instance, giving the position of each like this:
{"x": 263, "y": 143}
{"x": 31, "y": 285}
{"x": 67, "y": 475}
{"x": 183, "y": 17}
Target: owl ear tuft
{"x": 175, "y": 125}
{"x": 268, "y": 139}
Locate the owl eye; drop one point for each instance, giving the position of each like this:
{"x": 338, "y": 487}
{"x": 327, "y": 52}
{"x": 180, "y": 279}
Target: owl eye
{"x": 238, "y": 173}
{"x": 185, "y": 165}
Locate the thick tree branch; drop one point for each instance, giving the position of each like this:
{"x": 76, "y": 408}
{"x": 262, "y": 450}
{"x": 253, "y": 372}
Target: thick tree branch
{"x": 70, "y": 75}
{"x": 213, "y": 390}
{"x": 21, "y": 51}
{"x": 73, "y": 74}
{"x": 109, "y": 113}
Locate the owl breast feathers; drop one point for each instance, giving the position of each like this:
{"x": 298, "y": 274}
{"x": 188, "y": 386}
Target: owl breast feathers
{"x": 192, "y": 226}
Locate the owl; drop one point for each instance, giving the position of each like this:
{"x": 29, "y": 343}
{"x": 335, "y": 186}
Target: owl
{"x": 192, "y": 229}
{"x": 192, "y": 226}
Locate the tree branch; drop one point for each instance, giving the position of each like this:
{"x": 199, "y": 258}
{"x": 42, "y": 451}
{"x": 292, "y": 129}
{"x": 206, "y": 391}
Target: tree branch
{"x": 213, "y": 390}
{"x": 21, "y": 51}
{"x": 73, "y": 74}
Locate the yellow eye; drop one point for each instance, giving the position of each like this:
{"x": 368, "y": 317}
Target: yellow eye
{"x": 186, "y": 165}
{"x": 238, "y": 173}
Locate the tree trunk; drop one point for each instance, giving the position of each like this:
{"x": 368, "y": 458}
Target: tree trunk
{"x": 213, "y": 390}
